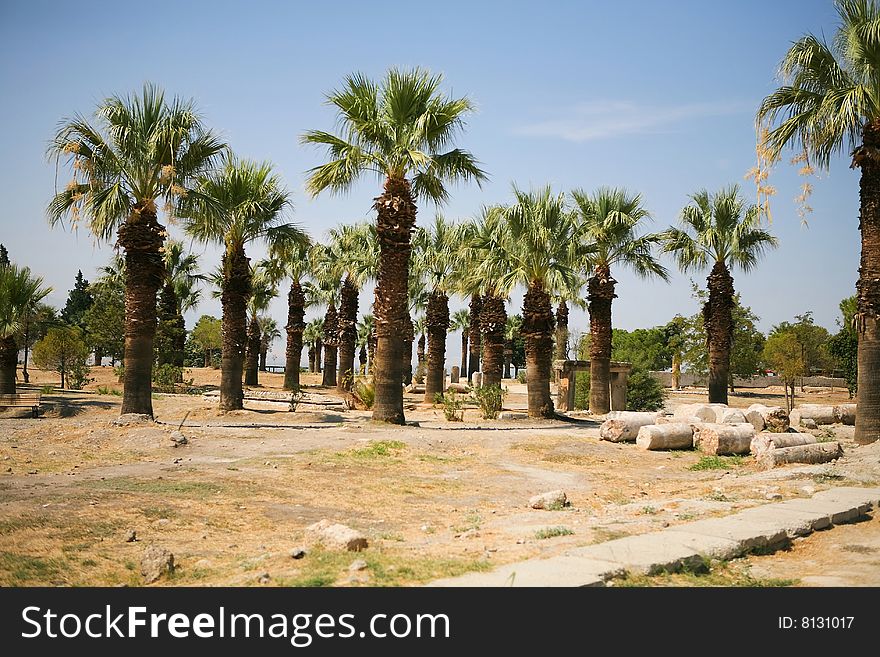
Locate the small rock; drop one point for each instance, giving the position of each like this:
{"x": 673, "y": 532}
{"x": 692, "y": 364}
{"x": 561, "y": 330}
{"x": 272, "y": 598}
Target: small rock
{"x": 520, "y": 541}
{"x": 264, "y": 578}
{"x": 511, "y": 415}
{"x": 358, "y": 564}
{"x": 298, "y": 553}
{"x": 337, "y": 536}
{"x": 470, "y": 533}
{"x": 809, "y": 423}
{"x": 809, "y": 490}
{"x": 156, "y": 562}
{"x": 550, "y": 500}
{"x": 178, "y": 438}
{"x": 131, "y": 536}
{"x": 177, "y": 461}
{"x": 774, "y": 496}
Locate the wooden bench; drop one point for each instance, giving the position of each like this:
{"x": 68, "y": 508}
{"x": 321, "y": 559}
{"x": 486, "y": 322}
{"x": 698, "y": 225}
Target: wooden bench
{"x": 22, "y": 400}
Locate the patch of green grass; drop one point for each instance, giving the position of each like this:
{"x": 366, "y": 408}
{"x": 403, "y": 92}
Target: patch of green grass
{"x": 164, "y": 487}
{"x": 324, "y": 567}
{"x": 552, "y": 532}
{"x": 23, "y": 569}
{"x": 717, "y": 496}
{"x": 709, "y": 574}
{"x": 107, "y": 390}
{"x": 649, "y": 510}
{"x": 10, "y": 525}
{"x": 472, "y": 520}
{"x": 390, "y": 536}
{"x": 159, "y": 512}
{"x": 717, "y": 463}
{"x": 47, "y": 390}
{"x": 376, "y": 450}
{"x": 556, "y": 506}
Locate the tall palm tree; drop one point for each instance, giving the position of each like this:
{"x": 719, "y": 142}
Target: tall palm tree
{"x": 420, "y": 327}
{"x": 325, "y": 292}
{"x": 19, "y": 293}
{"x": 366, "y": 331}
{"x": 439, "y": 246}
{"x": 140, "y": 150}
{"x": 482, "y": 279}
{"x": 290, "y": 259}
{"x": 312, "y": 337}
{"x": 241, "y": 203}
{"x": 608, "y": 222}
{"x": 830, "y": 101}
{"x": 475, "y": 308}
{"x": 512, "y": 331}
{"x": 461, "y": 321}
{"x": 356, "y": 258}
{"x": 179, "y": 293}
{"x": 418, "y": 304}
{"x": 398, "y": 128}
{"x": 537, "y": 249}
{"x": 269, "y": 332}
{"x": 262, "y": 292}
{"x": 721, "y": 230}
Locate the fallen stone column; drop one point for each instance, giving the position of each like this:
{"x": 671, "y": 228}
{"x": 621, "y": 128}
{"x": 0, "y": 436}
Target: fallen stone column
{"x": 724, "y": 438}
{"x": 767, "y": 441}
{"x": 677, "y": 435}
{"x": 625, "y": 425}
{"x": 705, "y": 412}
{"x": 816, "y": 412}
{"x": 845, "y": 414}
{"x": 813, "y": 453}
{"x": 772, "y": 418}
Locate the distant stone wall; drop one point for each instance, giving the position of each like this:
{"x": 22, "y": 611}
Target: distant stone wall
{"x": 665, "y": 379}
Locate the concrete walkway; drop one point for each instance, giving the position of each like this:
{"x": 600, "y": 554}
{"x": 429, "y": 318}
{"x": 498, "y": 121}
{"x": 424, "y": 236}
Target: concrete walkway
{"x": 767, "y": 528}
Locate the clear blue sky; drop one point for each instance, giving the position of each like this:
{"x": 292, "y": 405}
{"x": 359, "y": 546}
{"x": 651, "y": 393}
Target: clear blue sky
{"x": 655, "y": 96}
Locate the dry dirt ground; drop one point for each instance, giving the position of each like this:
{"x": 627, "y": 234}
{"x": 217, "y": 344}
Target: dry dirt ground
{"x": 437, "y": 499}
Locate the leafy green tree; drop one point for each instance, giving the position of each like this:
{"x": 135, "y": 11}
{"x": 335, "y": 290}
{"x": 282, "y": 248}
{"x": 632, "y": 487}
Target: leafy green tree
{"x": 64, "y": 350}
{"x": 646, "y": 349}
{"x": 747, "y": 343}
{"x": 843, "y": 346}
{"x": 784, "y": 353}
{"x": 105, "y": 319}
{"x": 79, "y": 300}
{"x": 643, "y": 391}
{"x": 140, "y": 150}
{"x": 400, "y": 129}
{"x": 19, "y": 292}
{"x": 812, "y": 339}
{"x": 207, "y": 335}
{"x": 38, "y": 318}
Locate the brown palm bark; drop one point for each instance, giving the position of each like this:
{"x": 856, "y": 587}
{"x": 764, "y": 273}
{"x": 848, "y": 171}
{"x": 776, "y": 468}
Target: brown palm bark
{"x": 8, "y": 365}
{"x": 437, "y": 322}
{"x": 141, "y": 237}
{"x": 718, "y": 320}
{"x": 420, "y": 351}
{"x": 474, "y": 332}
{"x": 371, "y": 352}
{"x": 868, "y": 288}
{"x": 319, "y": 356}
{"x": 508, "y": 357}
{"x": 296, "y": 302}
{"x": 252, "y": 355}
{"x": 234, "y": 298}
{"x": 347, "y": 320}
{"x": 331, "y": 344}
{"x": 99, "y": 356}
{"x": 264, "y": 354}
{"x": 312, "y": 359}
{"x": 396, "y": 217}
{"x": 561, "y": 350}
{"x": 493, "y": 320}
{"x": 600, "y": 294}
{"x": 537, "y": 329}
{"x": 406, "y": 369}
{"x": 362, "y": 358}
{"x": 464, "y": 352}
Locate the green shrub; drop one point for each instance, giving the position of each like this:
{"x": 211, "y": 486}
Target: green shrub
{"x": 453, "y": 408}
{"x": 167, "y": 376}
{"x": 365, "y": 391}
{"x": 521, "y": 376}
{"x": 644, "y": 392}
{"x": 490, "y": 400}
{"x": 582, "y": 391}
{"x": 47, "y": 390}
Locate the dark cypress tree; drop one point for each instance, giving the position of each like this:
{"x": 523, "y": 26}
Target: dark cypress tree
{"x": 78, "y": 302}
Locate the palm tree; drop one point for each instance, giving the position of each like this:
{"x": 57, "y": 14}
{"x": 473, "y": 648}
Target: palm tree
{"x": 537, "y": 249}
{"x": 418, "y": 304}
{"x": 439, "y": 246}
{"x": 142, "y": 149}
{"x": 484, "y": 273}
{"x": 722, "y": 230}
{"x": 475, "y": 308}
{"x": 830, "y": 100}
{"x": 312, "y": 337}
{"x": 291, "y": 260}
{"x": 325, "y": 292}
{"x": 366, "y": 331}
{"x": 512, "y": 331}
{"x": 461, "y": 321}
{"x": 608, "y": 221}
{"x": 19, "y": 293}
{"x": 239, "y": 204}
{"x": 356, "y": 258}
{"x": 399, "y": 129}
{"x": 420, "y": 327}
{"x": 262, "y": 292}
{"x": 180, "y": 293}
{"x": 269, "y": 332}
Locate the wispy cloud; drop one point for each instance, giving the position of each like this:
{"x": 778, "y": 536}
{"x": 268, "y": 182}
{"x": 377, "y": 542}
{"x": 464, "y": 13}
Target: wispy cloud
{"x": 602, "y": 119}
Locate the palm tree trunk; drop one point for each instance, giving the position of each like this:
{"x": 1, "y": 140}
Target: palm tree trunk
{"x": 437, "y": 322}
{"x": 464, "y": 352}
{"x": 396, "y": 217}
{"x": 561, "y": 331}
{"x": 362, "y": 358}
{"x": 252, "y": 356}
{"x": 296, "y": 302}
{"x": 27, "y": 339}
{"x": 493, "y": 320}
{"x": 180, "y": 342}
{"x": 867, "y": 317}
{"x": 371, "y": 352}
{"x": 319, "y": 348}
{"x": 537, "y": 329}
{"x": 348, "y": 308}
{"x": 331, "y": 342}
{"x": 170, "y": 331}
{"x": 311, "y": 359}
{"x": 406, "y": 369}
{"x": 236, "y": 292}
{"x": 718, "y": 320}
{"x": 141, "y": 237}
{"x": 420, "y": 351}
{"x": 264, "y": 354}
{"x": 474, "y": 309}
{"x": 600, "y": 294}
{"x": 8, "y": 365}
{"x": 508, "y": 357}
{"x": 99, "y": 356}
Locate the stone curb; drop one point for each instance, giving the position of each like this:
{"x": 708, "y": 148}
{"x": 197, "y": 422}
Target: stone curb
{"x": 764, "y": 528}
